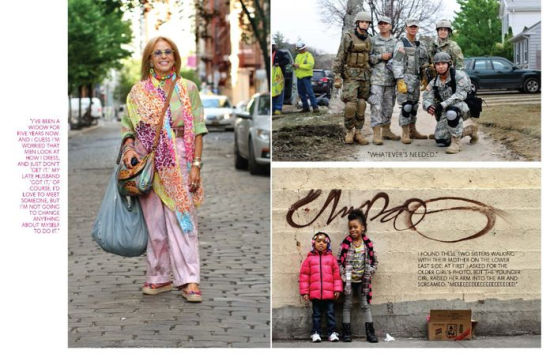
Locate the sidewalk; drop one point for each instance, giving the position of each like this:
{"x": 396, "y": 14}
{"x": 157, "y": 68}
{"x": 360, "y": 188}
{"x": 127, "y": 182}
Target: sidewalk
{"x": 526, "y": 341}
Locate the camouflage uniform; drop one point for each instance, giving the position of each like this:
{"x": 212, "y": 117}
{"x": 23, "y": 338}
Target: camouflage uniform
{"x": 382, "y": 90}
{"x": 445, "y": 128}
{"x": 450, "y": 47}
{"x": 352, "y": 64}
{"x": 408, "y": 66}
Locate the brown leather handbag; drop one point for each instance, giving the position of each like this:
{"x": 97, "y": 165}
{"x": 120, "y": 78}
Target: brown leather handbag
{"x": 138, "y": 180}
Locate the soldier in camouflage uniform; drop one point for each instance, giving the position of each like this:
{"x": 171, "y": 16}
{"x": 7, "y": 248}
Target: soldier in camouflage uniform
{"x": 443, "y": 43}
{"x": 445, "y": 100}
{"x": 410, "y": 58}
{"x": 352, "y": 65}
{"x": 382, "y": 90}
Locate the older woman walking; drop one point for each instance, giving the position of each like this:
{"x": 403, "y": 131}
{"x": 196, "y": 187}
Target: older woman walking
{"x": 168, "y": 209}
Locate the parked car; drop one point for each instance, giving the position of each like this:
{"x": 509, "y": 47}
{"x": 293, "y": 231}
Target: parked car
{"x": 88, "y": 114}
{"x": 499, "y": 73}
{"x": 253, "y": 135}
{"x": 322, "y": 82}
{"x": 291, "y": 83}
{"x": 218, "y": 111}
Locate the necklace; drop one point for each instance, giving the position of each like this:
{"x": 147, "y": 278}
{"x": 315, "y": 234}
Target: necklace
{"x": 162, "y": 79}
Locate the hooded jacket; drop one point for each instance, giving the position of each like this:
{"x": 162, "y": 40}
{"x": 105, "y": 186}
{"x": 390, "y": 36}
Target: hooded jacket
{"x": 320, "y": 275}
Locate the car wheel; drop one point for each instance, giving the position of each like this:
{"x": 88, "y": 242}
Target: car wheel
{"x": 475, "y": 86}
{"x": 253, "y": 165}
{"x": 240, "y": 161}
{"x": 531, "y": 85}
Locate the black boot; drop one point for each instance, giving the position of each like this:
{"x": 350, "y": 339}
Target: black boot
{"x": 371, "y": 336}
{"x": 346, "y": 327}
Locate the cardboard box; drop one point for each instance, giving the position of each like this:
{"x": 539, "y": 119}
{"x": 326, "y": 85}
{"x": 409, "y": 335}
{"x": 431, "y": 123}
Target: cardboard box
{"x": 450, "y": 325}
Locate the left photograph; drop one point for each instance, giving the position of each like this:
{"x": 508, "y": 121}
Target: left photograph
{"x": 169, "y": 116}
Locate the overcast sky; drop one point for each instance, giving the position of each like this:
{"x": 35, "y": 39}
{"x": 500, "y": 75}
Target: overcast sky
{"x": 302, "y": 19}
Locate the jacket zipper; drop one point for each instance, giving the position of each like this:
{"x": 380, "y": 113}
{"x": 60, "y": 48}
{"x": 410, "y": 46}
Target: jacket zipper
{"x": 321, "y": 271}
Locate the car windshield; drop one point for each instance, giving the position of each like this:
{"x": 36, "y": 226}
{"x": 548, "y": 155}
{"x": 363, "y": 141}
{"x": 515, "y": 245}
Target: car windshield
{"x": 264, "y": 106}
{"x": 215, "y": 103}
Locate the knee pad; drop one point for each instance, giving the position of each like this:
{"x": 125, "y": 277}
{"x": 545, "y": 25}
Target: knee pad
{"x": 443, "y": 142}
{"x": 361, "y": 106}
{"x": 414, "y": 110}
{"x": 453, "y": 116}
{"x": 350, "y": 109}
{"x": 407, "y": 108}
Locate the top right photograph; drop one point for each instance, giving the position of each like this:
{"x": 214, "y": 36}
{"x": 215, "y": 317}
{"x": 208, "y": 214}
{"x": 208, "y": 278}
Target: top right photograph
{"x": 406, "y": 80}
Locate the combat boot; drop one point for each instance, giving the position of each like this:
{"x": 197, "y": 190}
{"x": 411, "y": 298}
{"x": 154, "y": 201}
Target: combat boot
{"x": 454, "y": 147}
{"x": 346, "y": 327}
{"x": 471, "y": 131}
{"x": 359, "y": 138}
{"x": 371, "y": 336}
{"x": 414, "y": 133}
{"x": 405, "y": 139}
{"x": 350, "y": 133}
{"x": 377, "y": 138}
{"x": 388, "y": 134}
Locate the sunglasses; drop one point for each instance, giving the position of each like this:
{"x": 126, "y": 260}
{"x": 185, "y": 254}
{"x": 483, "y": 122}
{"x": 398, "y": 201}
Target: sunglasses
{"x": 166, "y": 52}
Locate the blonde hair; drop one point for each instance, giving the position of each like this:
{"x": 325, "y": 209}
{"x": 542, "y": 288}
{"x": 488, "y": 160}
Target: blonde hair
{"x": 148, "y": 51}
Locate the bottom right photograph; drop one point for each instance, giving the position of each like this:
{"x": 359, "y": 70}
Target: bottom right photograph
{"x": 406, "y": 257}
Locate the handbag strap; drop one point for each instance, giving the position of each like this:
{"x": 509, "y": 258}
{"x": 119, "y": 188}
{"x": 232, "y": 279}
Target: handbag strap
{"x": 166, "y": 104}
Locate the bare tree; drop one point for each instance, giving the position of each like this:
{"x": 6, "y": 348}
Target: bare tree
{"x": 340, "y": 13}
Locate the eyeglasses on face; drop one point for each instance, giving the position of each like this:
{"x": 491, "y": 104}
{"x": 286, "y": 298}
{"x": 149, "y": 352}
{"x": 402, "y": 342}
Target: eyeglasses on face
{"x": 166, "y": 52}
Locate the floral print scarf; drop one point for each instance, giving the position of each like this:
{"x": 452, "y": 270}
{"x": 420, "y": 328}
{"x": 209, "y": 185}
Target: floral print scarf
{"x": 145, "y": 102}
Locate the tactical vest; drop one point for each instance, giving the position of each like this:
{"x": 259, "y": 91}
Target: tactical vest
{"x": 358, "y": 52}
{"x": 412, "y": 53}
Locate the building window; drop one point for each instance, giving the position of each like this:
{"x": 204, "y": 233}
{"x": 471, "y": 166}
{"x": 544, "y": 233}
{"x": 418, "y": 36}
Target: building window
{"x": 526, "y": 51}
{"x": 517, "y": 53}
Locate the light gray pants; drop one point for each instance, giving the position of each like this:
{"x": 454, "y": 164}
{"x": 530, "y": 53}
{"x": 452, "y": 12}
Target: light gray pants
{"x": 356, "y": 290}
{"x": 382, "y": 100}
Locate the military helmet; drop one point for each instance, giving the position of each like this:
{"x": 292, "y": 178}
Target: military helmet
{"x": 444, "y": 24}
{"x": 443, "y": 57}
{"x": 362, "y": 16}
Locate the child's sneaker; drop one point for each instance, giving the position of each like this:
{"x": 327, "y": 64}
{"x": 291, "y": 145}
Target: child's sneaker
{"x": 315, "y": 337}
{"x": 334, "y": 337}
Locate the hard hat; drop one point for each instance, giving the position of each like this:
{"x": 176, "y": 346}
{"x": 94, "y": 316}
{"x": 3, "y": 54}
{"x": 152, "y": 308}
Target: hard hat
{"x": 300, "y": 45}
{"x": 362, "y": 16}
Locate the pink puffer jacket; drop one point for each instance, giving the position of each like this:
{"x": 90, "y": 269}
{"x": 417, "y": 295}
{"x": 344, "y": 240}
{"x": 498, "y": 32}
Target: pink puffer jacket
{"x": 320, "y": 276}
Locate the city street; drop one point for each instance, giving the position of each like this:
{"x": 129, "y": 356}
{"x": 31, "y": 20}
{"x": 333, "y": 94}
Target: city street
{"x": 105, "y": 305}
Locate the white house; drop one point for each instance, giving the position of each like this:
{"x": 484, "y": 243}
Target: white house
{"x": 518, "y": 14}
{"x": 527, "y": 49}
{"x": 524, "y": 17}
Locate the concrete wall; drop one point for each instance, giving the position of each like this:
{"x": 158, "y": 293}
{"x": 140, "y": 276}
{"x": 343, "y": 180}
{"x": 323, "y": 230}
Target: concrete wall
{"x": 495, "y": 213}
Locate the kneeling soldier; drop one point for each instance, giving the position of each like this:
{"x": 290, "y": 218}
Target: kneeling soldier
{"x": 444, "y": 98}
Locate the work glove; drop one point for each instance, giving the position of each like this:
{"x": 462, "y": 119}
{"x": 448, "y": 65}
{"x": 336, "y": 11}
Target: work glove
{"x": 401, "y": 86}
{"x": 338, "y": 82}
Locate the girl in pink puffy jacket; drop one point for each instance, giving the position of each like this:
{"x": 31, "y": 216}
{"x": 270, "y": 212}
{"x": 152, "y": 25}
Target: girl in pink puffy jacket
{"x": 320, "y": 282}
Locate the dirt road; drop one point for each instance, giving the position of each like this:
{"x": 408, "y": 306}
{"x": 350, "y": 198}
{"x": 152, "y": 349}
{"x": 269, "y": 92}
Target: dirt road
{"x": 299, "y": 137}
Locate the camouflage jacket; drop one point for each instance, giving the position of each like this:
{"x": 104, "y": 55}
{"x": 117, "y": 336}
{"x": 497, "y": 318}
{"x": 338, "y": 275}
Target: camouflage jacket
{"x": 352, "y": 60}
{"x": 463, "y": 86}
{"x": 381, "y": 73}
{"x": 409, "y": 58}
{"x": 452, "y": 48}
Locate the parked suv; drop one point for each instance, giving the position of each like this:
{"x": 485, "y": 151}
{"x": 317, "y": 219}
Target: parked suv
{"x": 499, "y": 73}
{"x": 322, "y": 82}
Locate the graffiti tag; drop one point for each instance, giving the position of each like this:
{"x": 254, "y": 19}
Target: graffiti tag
{"x": 413, "y": 211}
